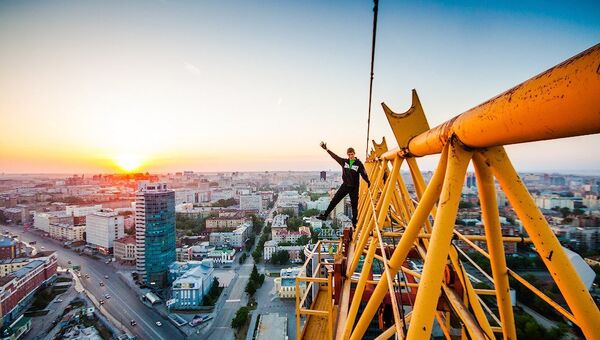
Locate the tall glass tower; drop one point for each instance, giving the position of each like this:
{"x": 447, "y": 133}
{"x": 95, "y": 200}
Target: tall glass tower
{"x": 154, "y": 232}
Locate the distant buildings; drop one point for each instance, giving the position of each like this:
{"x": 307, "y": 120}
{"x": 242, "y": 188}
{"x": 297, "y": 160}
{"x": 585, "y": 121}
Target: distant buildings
{"x": 235, "y": 239}
{"x": 320, "y": 204}
{"x": 67, "y": 232}
{"x": 225, "y": 220}
{"x": 189, "y": 289}
{"x": 11, "y": 265}
{"x": 124, "y": 249}
{"x": 10, "y": 248}
{"x": 589, "y": 237}
{"x": 280, "y": 221}
{"x": 294, "y": 251}
{"x": 285, "y": 235}
{"x": 103, "y": 228}
{"x": 14, "y": 215}
{"x": 18, "y": 288}
{"x": 223, "y": 256}
{"x": 552, "y": 201}
{"x": 285, "y": 284}
{"x": 155, "y": 232}
{"x": 251, "y": 202}
{"x": 42, "y": 221}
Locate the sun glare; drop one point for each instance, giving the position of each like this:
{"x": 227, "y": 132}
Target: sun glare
{"x": 128, "y": 163}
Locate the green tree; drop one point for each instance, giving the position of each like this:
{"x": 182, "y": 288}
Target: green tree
{"x": 294, "y": 223}
{"x": 315, "y": 196}
{"x": 254, "y": 276}
{"x": 564, "y": 211}
{"x": 240, "y": 319}
{"x": 256, "y": 255}
{"x": 257, "y": 224}
{"x": 213, "y": 294}
{"x": 465, "y": 205}
{"x": 224, "y": 203}
{"x": 250, "y": 287}
{"x": 310, "y": 212}
{"x": 280, "y": 257}
{"x": 302, "y": 240}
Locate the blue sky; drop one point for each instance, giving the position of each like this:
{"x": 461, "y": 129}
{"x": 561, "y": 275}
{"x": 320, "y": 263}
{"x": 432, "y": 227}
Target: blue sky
{"x": 256, "y": 85}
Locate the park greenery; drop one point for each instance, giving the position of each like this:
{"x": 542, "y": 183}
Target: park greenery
{"x": 190, "y": 226}
{"x": 528, "y": 328}
{"x": 294, "y": 223}
{"x": 254, "y": 282}
{"x": 316, "y": 195}
{"x": 280, "y": 257}
{"x": 310, "y": 212}
{"x": 264, "y": 237}
{"x": 224, "y": 203}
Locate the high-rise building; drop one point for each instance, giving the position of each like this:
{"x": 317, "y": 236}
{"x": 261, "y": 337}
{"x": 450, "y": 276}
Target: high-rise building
{"x": 154, "y": 232}
{"x": 103, "y": 228}
{"x": 323, "y": 176}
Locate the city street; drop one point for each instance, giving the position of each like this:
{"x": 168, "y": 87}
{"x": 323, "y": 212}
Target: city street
{"x": 124, "y": 305}
{"x": 228, "y": 305}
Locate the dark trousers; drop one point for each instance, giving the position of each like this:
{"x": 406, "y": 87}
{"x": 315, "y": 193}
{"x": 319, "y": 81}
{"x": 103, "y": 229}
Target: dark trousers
{"x": 339, "y": 195}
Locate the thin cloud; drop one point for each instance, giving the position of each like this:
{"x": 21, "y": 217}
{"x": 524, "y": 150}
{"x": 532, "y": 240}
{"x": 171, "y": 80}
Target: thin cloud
{"x": 193, "y": 69}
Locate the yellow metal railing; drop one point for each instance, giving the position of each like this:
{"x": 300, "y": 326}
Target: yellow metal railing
{"x": 393, "y": 226}
{"x": 316, "y": 299}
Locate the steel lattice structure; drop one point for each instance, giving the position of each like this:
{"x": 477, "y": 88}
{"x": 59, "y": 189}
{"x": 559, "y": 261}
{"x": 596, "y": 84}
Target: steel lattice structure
{"x": 343, "y": 296}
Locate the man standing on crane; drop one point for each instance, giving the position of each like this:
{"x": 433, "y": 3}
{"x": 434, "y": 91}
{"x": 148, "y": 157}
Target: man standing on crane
{"x": 352, "y": 167}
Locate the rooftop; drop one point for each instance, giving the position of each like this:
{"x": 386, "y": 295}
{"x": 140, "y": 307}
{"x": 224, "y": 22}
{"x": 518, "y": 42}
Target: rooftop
{"x": 130, "y": 239}
{"x": 271, "y": 326}
{"x": 19, "y": 273}
{"x": 6, "y": 242}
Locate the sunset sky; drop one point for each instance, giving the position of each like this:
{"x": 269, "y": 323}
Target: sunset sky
{"x": 91, "y": 86}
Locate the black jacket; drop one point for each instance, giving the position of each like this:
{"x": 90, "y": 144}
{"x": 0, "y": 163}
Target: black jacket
{"x": 350, "y": 173}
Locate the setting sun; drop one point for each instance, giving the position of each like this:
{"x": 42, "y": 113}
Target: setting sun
{"x": 128, "y": 162}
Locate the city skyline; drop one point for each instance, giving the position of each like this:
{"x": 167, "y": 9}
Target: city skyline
{"x": 169, "y": 86}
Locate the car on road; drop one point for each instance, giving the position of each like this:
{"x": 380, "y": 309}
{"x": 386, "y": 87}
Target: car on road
{"x": 106, "y": 277}
{"x": 87, "y": 276}
{"x": 58, "y": 301}
{"x": 133, "y": 323}
{"x": 106, "y": 296}
{"x": 101, "y": 284}
{"x": 101, "y": 302}
{"x": 158, "y": 323}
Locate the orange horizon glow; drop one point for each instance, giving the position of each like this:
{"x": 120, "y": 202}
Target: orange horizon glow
{"x": 166, "y": 86}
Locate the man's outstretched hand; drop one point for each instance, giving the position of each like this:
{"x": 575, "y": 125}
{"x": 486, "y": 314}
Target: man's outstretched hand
{"x": 324, "y": 145}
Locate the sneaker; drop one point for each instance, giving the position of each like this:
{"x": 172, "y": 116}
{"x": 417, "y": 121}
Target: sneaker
{"x": 322, "y": 217}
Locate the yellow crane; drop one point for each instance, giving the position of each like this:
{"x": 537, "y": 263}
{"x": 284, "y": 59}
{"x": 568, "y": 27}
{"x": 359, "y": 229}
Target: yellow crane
{"x": 344, "y": 297}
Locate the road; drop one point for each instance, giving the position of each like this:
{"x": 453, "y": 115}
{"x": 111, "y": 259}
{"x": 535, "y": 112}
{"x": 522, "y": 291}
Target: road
{"x": 124, "y": 304}
{"x": 236, "y": 298}
{"x": 229, "y": 305}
